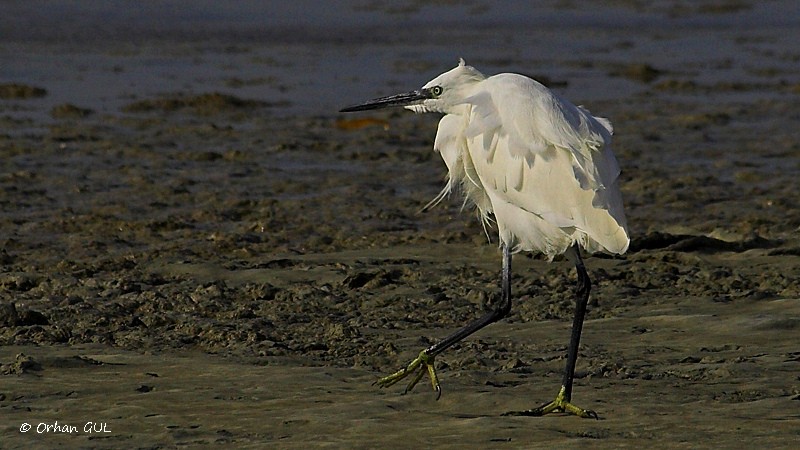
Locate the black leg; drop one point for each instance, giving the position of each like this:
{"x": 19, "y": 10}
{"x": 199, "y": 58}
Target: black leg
{"x": 562, "y": 401}
{"x": 424, "y": 363}
{"x": 581, "y": 300}
{"x": 501, "y": 311}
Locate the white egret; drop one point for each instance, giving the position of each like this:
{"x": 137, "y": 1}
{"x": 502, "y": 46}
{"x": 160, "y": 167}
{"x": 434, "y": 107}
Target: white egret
{"x": 542, "y": 167}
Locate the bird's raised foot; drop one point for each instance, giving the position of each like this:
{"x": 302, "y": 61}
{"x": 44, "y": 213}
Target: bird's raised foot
{"x": 421, "y": 364}
{"x": 560, "y": 404}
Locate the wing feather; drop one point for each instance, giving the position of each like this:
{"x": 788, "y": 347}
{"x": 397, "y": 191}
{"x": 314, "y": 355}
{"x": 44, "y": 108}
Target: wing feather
{"x": 538, "y": 119}
{"x": 549, "y": 159}
{"x": 452, "y": 146}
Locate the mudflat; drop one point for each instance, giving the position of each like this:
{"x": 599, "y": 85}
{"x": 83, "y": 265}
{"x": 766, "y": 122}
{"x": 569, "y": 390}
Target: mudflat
{"x": 204, "y": 253}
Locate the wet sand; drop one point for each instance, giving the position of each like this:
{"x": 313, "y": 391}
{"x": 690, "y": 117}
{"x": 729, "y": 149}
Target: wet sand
{"x": 201, "y": 252}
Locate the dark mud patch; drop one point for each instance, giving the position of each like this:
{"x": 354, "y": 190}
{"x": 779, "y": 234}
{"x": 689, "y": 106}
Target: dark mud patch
{"x": 205, "y": 104}
{"x": 21, "y": 91}
{"x": 236, "y": 82}
{"x": 693, "y": 87}
{"x": 69, "y": 111}
{"x": 643, "y": 73}
{"x": 690, "y": 243}
{"x": 10, "y": 317}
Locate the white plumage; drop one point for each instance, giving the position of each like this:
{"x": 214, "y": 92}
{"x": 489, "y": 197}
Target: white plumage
{"x": 541, "y": 165}
{"x": 544, "y": 169}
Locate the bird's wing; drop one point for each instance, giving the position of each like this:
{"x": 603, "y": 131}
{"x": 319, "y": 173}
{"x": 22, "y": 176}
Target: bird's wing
{"x": 447, "y": 141}
{"x": 541, "y": 154}
{"x": 533, "y": 118}
{"x": 451, "y": 144}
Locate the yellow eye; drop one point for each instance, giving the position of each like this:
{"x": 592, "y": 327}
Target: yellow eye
{"x": 436, "y": 91}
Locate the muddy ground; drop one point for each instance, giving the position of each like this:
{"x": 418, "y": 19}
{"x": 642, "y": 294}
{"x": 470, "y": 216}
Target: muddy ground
{"x": 205, "y": 268}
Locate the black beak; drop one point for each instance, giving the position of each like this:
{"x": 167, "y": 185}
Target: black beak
{"x": 408, "y": 98}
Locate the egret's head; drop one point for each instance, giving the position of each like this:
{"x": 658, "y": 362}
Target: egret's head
{"x": 448, "y": 89}
{"x": 442, "y": 94}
